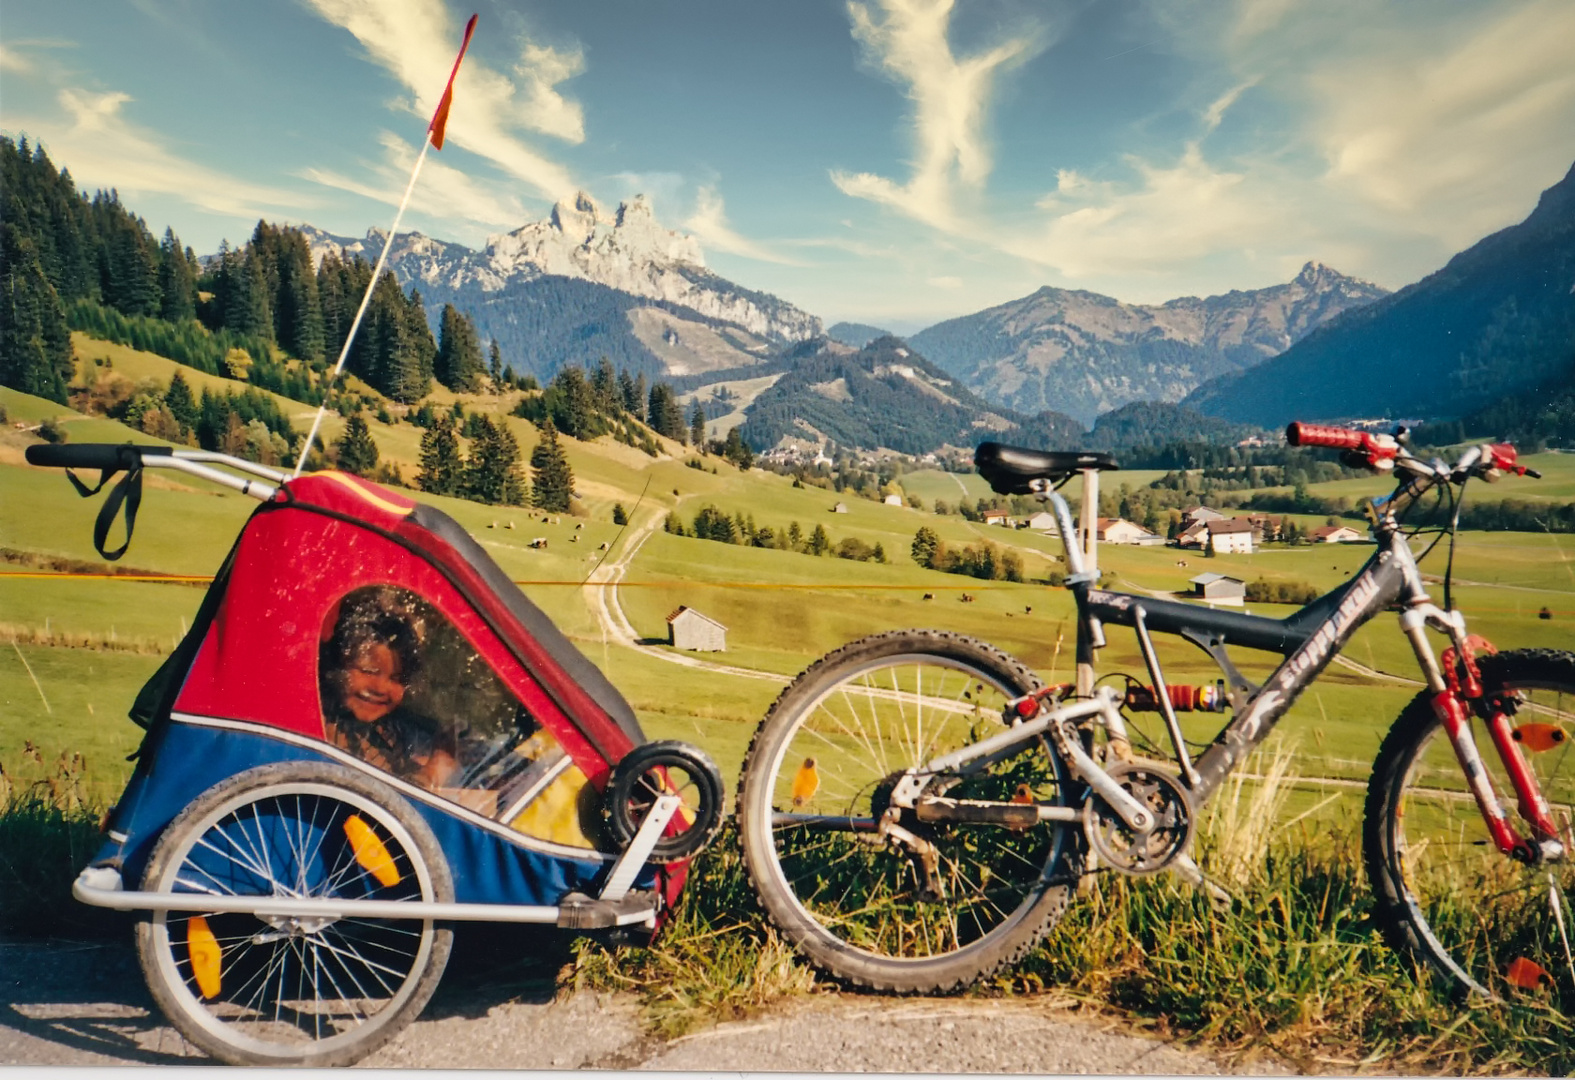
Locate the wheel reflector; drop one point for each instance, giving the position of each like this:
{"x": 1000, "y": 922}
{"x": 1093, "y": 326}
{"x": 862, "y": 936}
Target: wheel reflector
{"x": 805, "y": 782}
{"x": 1527, "y": 974}
{"x": 370, "y": 852}
{"x": 1539, "y": 737}
{"x": 203, "y": 948}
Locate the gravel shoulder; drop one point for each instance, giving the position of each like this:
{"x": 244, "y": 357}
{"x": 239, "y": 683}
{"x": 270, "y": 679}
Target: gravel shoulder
{"x": 76, "y": 1004}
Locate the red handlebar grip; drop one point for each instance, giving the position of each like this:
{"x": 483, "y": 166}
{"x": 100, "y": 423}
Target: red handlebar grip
{"x": 1502, "y": 456}
{"x": 1300, "y": 434}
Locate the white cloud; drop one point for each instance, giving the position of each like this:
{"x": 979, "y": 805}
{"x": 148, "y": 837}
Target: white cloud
{"x": 947, "y": 281}
{"x": 1175, "y": 215}
{"x": 540, "y": 71}
{"x": 415, "y": 40}
{"x": 15, "y": 62}
{"x": 1452, "y": 138}
{"x": 908, "y": 41}
{"x": 443, "y": 192}
{"x": 709, "y": 223}
{"x": 105, "y": 148}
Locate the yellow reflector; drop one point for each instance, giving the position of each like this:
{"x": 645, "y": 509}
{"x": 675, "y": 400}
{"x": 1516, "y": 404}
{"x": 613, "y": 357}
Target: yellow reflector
{"x": 1539, "y": 737}
{"x": 805, "y": 782}
{"x": 1527, "y": 974}
{"x": 203, "y": 948}
{"x": 370, "y": 852}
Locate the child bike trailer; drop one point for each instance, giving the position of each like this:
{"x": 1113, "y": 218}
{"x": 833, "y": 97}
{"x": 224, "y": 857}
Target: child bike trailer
{"x": 369, "y": 734}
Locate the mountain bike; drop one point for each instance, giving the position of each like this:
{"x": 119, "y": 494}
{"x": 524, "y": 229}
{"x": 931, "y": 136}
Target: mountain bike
{"x": 918, "y": 807}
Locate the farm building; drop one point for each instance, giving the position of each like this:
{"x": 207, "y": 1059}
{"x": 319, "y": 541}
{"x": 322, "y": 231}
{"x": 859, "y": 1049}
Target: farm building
{"x": 840, "y": 508}
{"x": 1219, "y": 589}
{"x": 1335, "y": 534}
{"x": 893, "y": 500}
{"x": 1198, "y": 515}
{"x": 1043, "y": 521}
{"x": 997, "y": 517}
{"x": 1230, "y": 535}
{"x": 688, "y": 629}
{"x": 1122, "y": 531}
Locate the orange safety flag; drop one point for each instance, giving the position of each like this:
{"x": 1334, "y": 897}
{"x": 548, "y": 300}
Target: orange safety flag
{"x": 440, "y": 118}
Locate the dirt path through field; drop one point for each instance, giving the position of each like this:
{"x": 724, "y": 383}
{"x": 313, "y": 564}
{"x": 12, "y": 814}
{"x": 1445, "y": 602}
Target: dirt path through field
{"x": 601, "y": 593}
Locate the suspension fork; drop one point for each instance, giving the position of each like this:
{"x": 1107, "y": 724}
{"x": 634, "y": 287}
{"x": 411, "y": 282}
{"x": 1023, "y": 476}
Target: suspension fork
{"x": 1451, "y": 703}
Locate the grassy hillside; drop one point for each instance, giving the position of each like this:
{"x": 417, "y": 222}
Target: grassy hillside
{"x": 78, "y": 648}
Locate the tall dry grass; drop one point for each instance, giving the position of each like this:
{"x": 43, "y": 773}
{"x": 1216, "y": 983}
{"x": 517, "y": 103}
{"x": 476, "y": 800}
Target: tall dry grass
{"x": 49, "y": 829}
{"x": 1295, "y": 972}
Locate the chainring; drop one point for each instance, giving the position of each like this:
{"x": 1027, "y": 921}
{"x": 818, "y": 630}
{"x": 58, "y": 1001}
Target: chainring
{"x": 1134, "y": 852}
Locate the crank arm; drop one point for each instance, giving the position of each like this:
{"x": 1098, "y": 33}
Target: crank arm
{"x": 1086, "y": 769}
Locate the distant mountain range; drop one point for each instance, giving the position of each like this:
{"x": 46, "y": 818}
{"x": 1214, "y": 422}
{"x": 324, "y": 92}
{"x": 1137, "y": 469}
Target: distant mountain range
{"x": 581, "y": 285}
{"x": 1498, "y": 319}
{"x": 883, "y": 396}
{"x": 1084, "y": 354}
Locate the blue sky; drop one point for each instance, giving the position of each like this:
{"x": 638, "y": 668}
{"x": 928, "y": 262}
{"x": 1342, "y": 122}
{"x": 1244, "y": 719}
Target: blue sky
{"x": 889, "y": 161}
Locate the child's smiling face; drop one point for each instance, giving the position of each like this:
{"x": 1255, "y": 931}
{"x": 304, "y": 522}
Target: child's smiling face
{"x": 372, "y": 682}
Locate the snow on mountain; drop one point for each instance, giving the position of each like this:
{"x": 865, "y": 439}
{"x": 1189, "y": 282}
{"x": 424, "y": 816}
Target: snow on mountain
{"x": 630, "y": 251}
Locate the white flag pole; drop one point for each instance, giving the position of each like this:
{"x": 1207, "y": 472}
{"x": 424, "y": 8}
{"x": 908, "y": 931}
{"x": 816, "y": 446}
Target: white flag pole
{"x": 434, "y": 137}
{"x": 366, "y": 300}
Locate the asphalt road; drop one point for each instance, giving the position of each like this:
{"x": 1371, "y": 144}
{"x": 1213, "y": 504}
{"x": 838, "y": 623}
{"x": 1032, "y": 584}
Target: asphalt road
{"x": 85, "y": 1003}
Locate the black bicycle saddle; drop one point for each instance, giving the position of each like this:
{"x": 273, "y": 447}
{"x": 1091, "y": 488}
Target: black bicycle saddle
{"x": 1009, "y": 469}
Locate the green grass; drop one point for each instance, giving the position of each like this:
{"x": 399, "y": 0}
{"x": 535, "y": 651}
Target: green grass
{"x": 1295, "y": 973}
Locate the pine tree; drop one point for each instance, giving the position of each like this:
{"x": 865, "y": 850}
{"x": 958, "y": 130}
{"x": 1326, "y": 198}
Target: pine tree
{"x": 632, "y": 399}
{"x": 458, "y": 363}
{"x": 515, "y": 488}
{"x": 35, "y": 345}
{"x": 552, "y": 481}
{"x": 493, "y": 474}
{"x": 298, "y": 309}
{"x": 736, "y": 450}
{"x": 697, "y": 426}
{"x": 925, "y": 541}
{"x": 180, "y": 402}
{"x": 819, "y": 542}
{"x": 495, "y": 364}
{"x": 604, "y": 388}
{"x": 354, "y": 450}
{"x": 177, "y": 281}
{"x": 441, "y": 464}
{"x": 664, "y": 414}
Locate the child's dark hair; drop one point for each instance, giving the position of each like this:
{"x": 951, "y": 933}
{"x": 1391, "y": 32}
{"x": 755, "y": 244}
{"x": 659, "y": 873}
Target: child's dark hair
{"x": 366, "y": 624}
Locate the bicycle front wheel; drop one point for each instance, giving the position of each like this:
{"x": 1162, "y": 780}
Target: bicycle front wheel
{"x": 870, "y": 910}
{"x": 315, "y": 991}
{"x": 1489, "y": 925}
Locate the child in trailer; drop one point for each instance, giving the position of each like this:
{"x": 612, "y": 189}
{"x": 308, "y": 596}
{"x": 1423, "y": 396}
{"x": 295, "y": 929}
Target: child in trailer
{"x": 365, "y": 668}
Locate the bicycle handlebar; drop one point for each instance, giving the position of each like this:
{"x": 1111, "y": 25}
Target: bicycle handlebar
{"x": 1373, "y": 448}
{"x": 111, "y": 456}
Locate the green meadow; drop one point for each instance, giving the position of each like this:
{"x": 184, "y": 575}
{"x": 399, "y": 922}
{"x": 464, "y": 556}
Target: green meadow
{"x": 78, "y": 648}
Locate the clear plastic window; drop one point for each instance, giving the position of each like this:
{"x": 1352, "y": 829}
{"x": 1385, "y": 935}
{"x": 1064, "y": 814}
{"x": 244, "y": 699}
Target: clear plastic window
{"x": 403, "y": 690}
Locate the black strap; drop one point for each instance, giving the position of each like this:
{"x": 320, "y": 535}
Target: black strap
{"x": 128, "y": 491}
{"x": 82, "y": 489}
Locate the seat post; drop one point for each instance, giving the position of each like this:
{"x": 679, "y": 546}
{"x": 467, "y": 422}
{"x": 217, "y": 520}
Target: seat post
{"x": 1089, "y": 526}
{"x": 1089, "y": 523}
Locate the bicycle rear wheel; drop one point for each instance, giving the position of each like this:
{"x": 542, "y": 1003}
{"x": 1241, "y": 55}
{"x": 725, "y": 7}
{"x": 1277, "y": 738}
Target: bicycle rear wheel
{"x": 1445, "y": 894}
{"x": 315, "y": 991}
{"x": 819, "y": 774}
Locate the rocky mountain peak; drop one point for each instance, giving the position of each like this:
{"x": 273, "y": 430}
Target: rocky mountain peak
{"x": 634, "y": 210}
{"x": 577, "y": 217}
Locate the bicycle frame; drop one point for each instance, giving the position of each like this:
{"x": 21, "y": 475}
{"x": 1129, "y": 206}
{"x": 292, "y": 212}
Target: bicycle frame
{"x": 1308, "y": 640}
